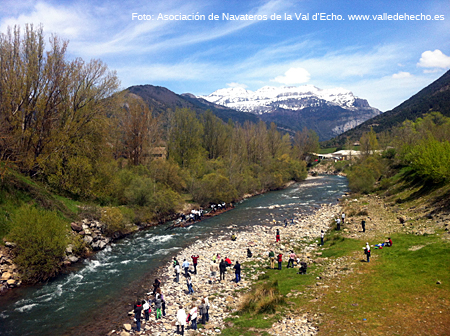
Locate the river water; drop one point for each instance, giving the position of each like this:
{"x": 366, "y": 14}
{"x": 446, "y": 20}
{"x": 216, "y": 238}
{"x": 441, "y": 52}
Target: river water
{"x": 95, "y": 295}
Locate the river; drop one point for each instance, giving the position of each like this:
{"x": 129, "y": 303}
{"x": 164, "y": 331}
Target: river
{"x": 95, "y": 295}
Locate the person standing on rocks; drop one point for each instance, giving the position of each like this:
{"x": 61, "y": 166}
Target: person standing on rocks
{"x": 249, "y": 253}
{"x": 194, "y": 261}
{"x": 137, "y": 314}
{"x": 189, "y": 284}
{"x": 272, "y": 259}
{"x": 363, "y": 225}
{"x": 202, "y": 311}
{"x": 158, "y": 305}
{"x": 181, "y": 320}
{"x": 185, "y": 267}
{"x": 214, "y": 268}
{"x": 280, "y": 260}
{"x": 207, "y": 308}
{"x": 338, "y": 223}
{"x": 193, "y": 313}
{"x": 160, "y": 295}
{"x": 177, "y": 273}
{"x": 322, "y": 235}
{"x": 175, "y": 262}
{"x": 343, "y": 218}
{"x": 237, "y": 271}
{"x": 146, "y": 309}
{"x": 156, "y": 285}
{"x": 277, "y": 237}
{"x": 223, "y": 269}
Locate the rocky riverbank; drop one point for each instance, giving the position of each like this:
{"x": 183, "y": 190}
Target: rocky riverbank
{"x": 9, "y": 275}
{"x": 226, "y": 296}
{"x": 325, "y": 168}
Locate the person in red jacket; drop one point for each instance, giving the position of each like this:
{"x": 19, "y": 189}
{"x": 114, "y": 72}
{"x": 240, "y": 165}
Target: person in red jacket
{"x": 280, "y": 260}
{"x": 194, "y": 261}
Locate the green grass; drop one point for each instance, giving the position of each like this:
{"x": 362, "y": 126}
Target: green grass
{"x": 17, "y": 190}
{"x": 72, "y": 205}
{"x": 335, "y": 245}
{"x": 327, "y": 150}
{"x": 394, "y": 291}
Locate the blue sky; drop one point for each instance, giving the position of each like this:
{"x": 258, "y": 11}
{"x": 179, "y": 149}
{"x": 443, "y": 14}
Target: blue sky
{"x": 383, "y": 61}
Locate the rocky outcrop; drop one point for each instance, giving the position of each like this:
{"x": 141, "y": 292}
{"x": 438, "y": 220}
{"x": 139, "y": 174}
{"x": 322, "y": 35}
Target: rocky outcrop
{"x": 9, "y": 275}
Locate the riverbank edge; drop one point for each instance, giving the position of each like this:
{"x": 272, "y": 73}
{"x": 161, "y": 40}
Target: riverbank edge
{"x": 10, "y": 278}
{"x": 326, "y": 213}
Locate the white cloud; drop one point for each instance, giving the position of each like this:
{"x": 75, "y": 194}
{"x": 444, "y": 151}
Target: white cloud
{"x": 236, "y": 85}
{"x": 294, "y": 76}
{"x": 67, "y": 22}
{"x": 434, "y": 59}
{"x": 401, "y": 74}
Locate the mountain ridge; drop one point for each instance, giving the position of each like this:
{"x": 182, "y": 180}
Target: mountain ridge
{"x": 327, "y": 111}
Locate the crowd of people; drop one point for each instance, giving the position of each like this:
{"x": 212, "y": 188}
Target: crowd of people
{"x": 218, "y": 266}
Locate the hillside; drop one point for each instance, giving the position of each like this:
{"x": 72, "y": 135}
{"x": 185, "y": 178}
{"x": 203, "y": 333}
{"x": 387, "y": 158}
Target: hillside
{"x": 434, "y": 97}
{"x": 161, "y": 99}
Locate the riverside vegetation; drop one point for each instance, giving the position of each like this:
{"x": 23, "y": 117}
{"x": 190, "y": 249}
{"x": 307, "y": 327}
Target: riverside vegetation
{"x": 73, "y": 147}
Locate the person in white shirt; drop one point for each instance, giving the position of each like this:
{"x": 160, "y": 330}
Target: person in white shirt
{"x": 181, "y": 320}
{"x": 193, "y": 314}
{"x": 146, "y": 308}
{"x": 177, "y": 273}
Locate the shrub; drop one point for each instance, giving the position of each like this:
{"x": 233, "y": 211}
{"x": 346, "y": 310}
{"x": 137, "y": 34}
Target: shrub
{"x": 264, "y": 299}
{"x": 430, "y": 159}
{"x": 165, "y": 202}
{"x": 360, "y": 179}
{"x": 214, "y": 188}
{"x": 41, "y": 238}
{"x": 78, "y": 246}
{"x": 114, "y": 221}
{"x": 140, "y": 191}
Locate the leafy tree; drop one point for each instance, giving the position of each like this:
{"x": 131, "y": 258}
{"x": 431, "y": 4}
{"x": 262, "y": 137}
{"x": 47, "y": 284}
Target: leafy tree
{"x": 48, "y": 105}
{"x": 41, "y": 238}
{"x": 139, "y": 130}
{"x": 215, "y": 136}
{"x": 369, "y": 143}
{"x": 185, "y": 137}
{"x": 305, "y": 142}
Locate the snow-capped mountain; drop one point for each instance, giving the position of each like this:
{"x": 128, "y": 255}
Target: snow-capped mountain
{"x": 329, "y": 111}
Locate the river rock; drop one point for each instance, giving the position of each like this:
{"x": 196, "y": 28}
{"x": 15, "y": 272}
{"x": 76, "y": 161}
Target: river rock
{"x": 73, "y": 259}
{"x": 69, "y": 249}
{"x": 76, "y": 227}
{"x": 87, "y": 239}
{"x": 6, "y": 276}
{"x": 11, "y": 282}
{"x": 127, "y": 326}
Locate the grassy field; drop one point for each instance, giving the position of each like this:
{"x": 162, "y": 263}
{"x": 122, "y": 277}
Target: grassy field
{"x": 404, "y": 290}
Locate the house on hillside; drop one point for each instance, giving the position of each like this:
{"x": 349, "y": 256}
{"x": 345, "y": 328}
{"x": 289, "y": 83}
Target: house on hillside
{"x": 159, "y": 153}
